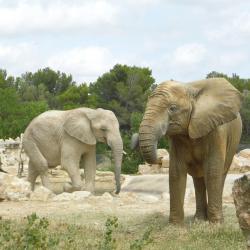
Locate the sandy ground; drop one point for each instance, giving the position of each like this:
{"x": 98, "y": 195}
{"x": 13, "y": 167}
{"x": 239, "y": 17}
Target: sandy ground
{"x": 95, "y": 207}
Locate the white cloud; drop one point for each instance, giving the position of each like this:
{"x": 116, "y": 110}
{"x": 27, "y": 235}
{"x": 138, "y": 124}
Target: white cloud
{"x": 18, "y": 58}
{"x": 85, "y": 64}
{"x": 233, "y": 27}
{"x": 189, "y": 54}
{"x": 28, "y": 16}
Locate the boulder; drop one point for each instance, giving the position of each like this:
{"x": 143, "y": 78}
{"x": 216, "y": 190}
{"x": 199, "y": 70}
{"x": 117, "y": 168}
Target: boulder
{"x": 107, "y": 197}
{"x": 241, "y": 194}
{"x": 13, "y": 188}
{"x": 75, "y": 196}
{"x": 162, "y": 152}
{"x": 240, "y": 164}
{"x": 41, "y": 193}
{"x": 127, "y": 197}
{"x": 162, "y": 168}
{"x": 151, "y": 169}
{"x": 165, "y": 162}
{"x": 148, "y": 198}
{"x": 245, "y": 153}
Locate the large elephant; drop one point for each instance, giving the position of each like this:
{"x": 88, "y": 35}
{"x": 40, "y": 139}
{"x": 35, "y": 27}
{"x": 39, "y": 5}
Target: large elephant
{"x": 69, "y": 138}
{"x": 203, "y": 124}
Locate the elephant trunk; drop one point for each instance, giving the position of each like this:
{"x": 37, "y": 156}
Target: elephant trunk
{"x": 117, "y": 152}
{"x": 148, "y": 142}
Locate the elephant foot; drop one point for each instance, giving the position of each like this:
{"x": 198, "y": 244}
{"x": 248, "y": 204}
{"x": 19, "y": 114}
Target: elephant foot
{"x": 67, "y": 187}
{"x": 201, "y": 216}
{"x": 176, "y": 221}
{"x": 215, "y": 218}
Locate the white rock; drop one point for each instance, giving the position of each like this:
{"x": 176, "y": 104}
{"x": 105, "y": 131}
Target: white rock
{"x": 41, "y": 193}
{"x": 162, "y": 152}
{"x": 162, "y": 168}
{"x": 245, "y": 153}
{"x": 144, "y": 169}
{"x": 165, "y": 196}
{"x": 13, "y": 188}
{"x": 63, "y": 197}
{"x": 128, "y": 197}
{"x": 11, "y": 160}
{"x": 165, "y": 161}
{"x": 75, "y": 196}
{"x": 189, "y": 195}
{"x": 107, "y": 197}
{"x": 240, "y": 164}
{"x": 81, "y": 195}
{"x": 148, "y": 198}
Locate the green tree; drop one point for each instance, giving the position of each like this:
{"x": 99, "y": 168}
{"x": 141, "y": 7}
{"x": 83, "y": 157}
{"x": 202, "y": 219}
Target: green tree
{"x": 123, "y": 90}
{"x": 239, "y": 83}
{"x": 5, "y": 80}
{"x": 45, "y": 84}
{"x": 245, "y": 115}
{"x": 15, "y": 115}
{"x": 74, "y": 97}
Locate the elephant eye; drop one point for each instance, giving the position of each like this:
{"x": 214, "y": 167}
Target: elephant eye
{"x": 103, "y": 129}
{"x": 173, "y": 108}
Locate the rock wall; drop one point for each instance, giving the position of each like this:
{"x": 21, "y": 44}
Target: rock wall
{"x": 240, "y": 163}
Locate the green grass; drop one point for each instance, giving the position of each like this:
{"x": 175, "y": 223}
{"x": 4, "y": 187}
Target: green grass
{"x": 145, "y": 232}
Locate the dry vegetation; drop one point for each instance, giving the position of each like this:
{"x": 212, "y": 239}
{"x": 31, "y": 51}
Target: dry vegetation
{"x": 99, "y": 231}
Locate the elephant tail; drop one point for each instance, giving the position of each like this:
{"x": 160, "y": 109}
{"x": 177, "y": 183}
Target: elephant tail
{"x": 20, "y": 159}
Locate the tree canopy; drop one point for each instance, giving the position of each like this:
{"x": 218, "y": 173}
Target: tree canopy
{"x": 124, "y": 90}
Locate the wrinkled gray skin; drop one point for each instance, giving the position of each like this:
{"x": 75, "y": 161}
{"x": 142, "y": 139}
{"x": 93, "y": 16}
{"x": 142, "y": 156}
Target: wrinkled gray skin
{"x": 202, "y": 121}
{"x": 63, "y": 137}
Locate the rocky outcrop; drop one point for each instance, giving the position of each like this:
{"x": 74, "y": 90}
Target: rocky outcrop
{"x": 11, "y": 155}
{"x": 41, "y": 193}
{"x": 241, "y": 162}
{"x": 13, "y": 188}
{"x": 161, "y": 168}
{"x": 75, "y": 196}
{"x": 241, "y": 194}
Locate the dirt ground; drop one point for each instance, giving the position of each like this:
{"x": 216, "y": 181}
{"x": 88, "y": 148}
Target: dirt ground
{"x": 98, "y": 208}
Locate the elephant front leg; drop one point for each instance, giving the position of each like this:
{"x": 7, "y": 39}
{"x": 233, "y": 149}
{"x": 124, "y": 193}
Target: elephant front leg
{"x": 90, "y": 170}
{"x": 177, "y": 186}
{"x": 71, "y": 165}
{"x": 201, "y": 198}
{"x": 214, "y": 179}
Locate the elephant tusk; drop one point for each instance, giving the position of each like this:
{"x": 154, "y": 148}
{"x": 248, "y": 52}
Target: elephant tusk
{"x": 124, "y": 152}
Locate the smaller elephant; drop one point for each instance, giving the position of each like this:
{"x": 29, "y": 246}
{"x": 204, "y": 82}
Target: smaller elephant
{"x": 68, "y": 138}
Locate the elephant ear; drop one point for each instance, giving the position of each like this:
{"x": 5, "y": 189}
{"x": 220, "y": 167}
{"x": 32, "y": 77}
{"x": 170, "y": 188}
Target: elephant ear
{"x": 216, "y": 102}
{"x": 78, "y": 125}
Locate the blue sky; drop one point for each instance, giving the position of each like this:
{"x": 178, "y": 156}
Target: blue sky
{"x": 178, "y": 39}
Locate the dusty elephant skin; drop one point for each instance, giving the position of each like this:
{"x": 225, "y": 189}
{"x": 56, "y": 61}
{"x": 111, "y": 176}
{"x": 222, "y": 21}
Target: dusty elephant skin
{"x": 63, "y": 137}
{"x": 202, "y": 122}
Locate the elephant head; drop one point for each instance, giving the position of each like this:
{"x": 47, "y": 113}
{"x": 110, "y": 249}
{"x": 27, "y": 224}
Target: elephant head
{"x": 90, "y": 126}
{"x": 193, "y": 109}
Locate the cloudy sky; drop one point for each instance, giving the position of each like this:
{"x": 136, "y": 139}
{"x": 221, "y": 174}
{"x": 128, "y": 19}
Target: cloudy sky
{"x": 178, "y": 39}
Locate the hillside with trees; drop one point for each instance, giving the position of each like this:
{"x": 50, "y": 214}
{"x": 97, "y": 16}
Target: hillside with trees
{"x": 124, "y": 90}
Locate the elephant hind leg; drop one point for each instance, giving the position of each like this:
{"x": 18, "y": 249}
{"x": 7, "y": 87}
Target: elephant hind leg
{"x": 32, "y": 175}
{"x": 201, "y": 198}
{"x": 38, "y": 165}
